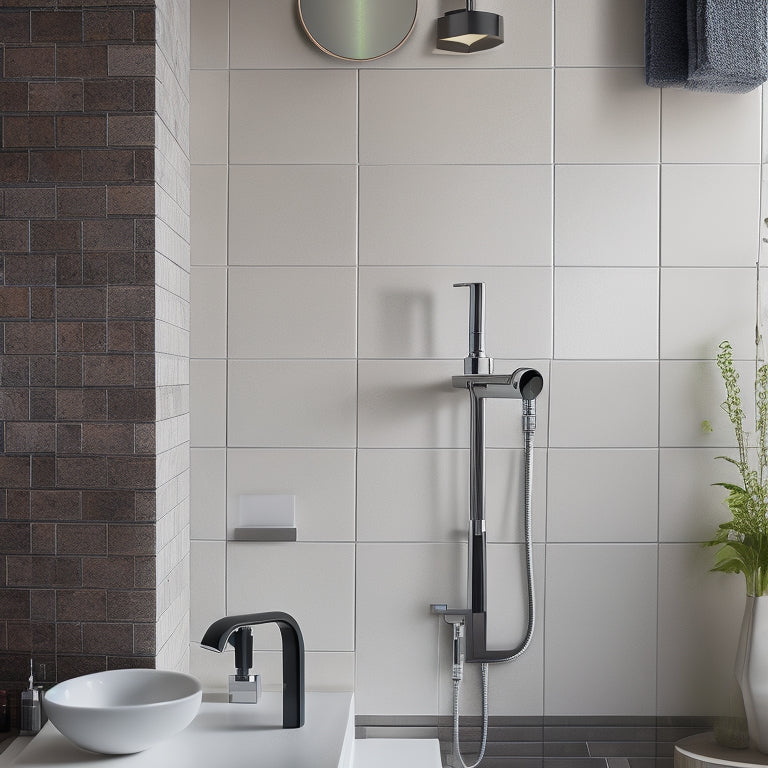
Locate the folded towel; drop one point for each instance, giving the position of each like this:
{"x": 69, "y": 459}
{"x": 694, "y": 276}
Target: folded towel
{"x": 727, "y": 45}
{"x": 666, "y": 43}
{"x": 706, "y": 45}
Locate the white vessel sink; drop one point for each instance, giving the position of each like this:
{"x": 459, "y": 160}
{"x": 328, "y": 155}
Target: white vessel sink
{"x": 124, "y": 710}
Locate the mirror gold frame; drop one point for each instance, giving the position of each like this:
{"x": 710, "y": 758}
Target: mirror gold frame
{"x": 358, "y": 30}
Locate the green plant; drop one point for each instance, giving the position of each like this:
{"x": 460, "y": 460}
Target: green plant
{"x": 743, "y": 540}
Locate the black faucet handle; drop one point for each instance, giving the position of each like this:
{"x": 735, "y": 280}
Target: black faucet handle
{"x": 242, "y": 641}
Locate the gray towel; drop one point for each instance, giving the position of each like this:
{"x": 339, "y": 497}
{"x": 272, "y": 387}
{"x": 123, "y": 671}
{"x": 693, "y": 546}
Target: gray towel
{"x": 727, "y": 45}
{"x": 706, "y": 45}
{"x": 666, "y": 43}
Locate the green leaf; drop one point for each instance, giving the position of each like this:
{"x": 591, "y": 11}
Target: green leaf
{"x": 731, "y": 487}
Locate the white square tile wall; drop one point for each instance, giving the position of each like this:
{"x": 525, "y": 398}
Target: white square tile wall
{"x": 696, "y": 196}
{"x": 302, "y": 312}
{"x": 209, "y": 214}
{"x": 576, "y": 513}
{"x": 589, "y": 609}
{"x": 599, "y": 33}
{"x": 606, "y": 215}
{"x": 310, "y": 119}
{"x": 291, "y": 403}
{"x": 208, "y": 517}
{"x": 305, "y": 215}
{"x": 710, "y": 127}
{"x": 210, "y": 34}
{"x": 694, "y": 319}
{"x": 616, "y": 227}
{"x": 209, "y": 119}
{"x": 605, "y": 115}
{"x": 208, "y": 336}
{"x": 606, "y": 313}
{"x": 510, "y": 120}
{"x": 510, "y": 207}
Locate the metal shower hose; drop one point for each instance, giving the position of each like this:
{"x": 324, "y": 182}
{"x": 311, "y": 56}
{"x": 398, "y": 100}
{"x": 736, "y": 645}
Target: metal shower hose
{"x": 529, "y": 426}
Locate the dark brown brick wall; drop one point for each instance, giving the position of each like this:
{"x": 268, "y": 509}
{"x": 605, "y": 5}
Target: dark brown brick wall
{"x": 77, "y": 461}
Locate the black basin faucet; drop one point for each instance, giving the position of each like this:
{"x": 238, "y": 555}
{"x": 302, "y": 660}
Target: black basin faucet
{"x": 219, "y": 633}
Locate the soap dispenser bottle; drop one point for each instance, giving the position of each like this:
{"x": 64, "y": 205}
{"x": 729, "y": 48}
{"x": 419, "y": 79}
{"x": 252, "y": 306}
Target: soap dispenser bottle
{"x": 31, "y": 707}
{"x": 5, "y": 719}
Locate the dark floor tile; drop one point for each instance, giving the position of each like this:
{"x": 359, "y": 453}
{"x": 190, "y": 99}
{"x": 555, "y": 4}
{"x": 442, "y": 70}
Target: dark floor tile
{"x": 566, "y": 749}
{"x": 679, "y": 721}
{"x": 672, "y": 734}
{"x": 507, "y": 733}
{"x": 665, "y": 749}
{"x": 516, "y": 733}
{"x": 601, "y": 721}
{"x": 599, "y": 733}
{"x": 507, "y": 749}
{"x": 622, "y": 748}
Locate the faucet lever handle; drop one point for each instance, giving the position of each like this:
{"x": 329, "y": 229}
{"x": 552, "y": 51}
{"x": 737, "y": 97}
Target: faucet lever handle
{"x": 242, "y": 641}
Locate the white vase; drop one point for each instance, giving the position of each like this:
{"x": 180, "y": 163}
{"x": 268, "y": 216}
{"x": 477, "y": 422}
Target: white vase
{"x": 751, "y": 669}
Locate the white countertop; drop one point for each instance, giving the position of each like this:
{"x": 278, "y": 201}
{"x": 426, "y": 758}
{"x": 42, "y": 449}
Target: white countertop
{"x": 235, "y": 735}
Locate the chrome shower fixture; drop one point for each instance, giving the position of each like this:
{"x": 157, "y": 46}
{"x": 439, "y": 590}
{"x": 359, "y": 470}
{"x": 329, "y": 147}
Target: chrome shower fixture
{"x": 470, "y": 641}
{"x": 469, "y": 31}
{"x": 523, "y": 384}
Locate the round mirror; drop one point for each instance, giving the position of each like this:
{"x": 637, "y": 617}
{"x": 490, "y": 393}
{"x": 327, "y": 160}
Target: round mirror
{"x": 358, "y": 30}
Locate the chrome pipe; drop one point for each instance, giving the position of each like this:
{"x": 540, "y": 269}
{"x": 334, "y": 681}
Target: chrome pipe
{"x": 476, "y": 361}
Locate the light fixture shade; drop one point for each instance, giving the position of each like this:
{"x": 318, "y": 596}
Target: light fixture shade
{"x": 465, "y": 31}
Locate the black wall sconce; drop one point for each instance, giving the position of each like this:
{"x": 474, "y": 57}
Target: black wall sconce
{"x": 468, "y": 30}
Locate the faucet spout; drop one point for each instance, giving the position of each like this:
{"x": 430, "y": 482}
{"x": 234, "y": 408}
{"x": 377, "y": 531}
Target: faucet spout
{"x": 218, "y": 634}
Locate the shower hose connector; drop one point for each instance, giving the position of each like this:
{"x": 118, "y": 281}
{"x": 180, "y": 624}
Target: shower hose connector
{"x": 529, "y": 417}
{"x": 458, "y": 651}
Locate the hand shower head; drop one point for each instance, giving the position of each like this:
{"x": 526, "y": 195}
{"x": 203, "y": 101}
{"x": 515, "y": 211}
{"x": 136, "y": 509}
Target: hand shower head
{"x": 529, "y": 382}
